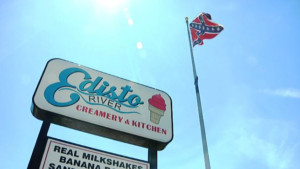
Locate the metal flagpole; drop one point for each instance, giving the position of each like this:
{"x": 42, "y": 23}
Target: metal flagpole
{"x": 204, "y": 142}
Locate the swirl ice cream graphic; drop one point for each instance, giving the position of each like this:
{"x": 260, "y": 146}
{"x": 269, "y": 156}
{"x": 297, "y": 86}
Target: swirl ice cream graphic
{"x": 157, "y": 107}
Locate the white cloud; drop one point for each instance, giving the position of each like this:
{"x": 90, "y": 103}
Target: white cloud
{"x": 290, "y": 92}
{"x": 247, "y": 136}
{"x": 272, "y": 143}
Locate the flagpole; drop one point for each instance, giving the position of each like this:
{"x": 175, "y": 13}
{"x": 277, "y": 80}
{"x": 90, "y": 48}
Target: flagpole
{"x": 204, "y": 142}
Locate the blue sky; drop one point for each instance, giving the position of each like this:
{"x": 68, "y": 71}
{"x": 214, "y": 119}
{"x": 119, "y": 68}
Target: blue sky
{"x": 248, "y": 75}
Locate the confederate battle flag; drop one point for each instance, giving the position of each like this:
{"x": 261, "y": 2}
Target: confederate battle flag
{"x": 203, "y": 28}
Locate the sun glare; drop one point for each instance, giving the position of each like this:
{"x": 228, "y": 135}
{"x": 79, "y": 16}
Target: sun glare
{"x": 130, "y": 22}
{"x": 139, "y": 45}
{"x": 111, "y": 6}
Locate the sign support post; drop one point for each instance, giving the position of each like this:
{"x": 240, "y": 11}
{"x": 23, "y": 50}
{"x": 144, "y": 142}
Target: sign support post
{"x": 39, "y": 147}
{"x": 152, "y": 157}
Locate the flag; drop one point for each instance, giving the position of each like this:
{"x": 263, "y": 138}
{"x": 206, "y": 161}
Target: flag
{"x": 203, "y": 28}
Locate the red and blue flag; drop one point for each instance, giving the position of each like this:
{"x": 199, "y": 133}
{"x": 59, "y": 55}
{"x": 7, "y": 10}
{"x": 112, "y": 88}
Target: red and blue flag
{"x": 203, "y": 28}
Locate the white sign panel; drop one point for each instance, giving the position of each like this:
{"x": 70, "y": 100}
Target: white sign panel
{"x": 62, "y": 155}
{"x": 91, "y": 99}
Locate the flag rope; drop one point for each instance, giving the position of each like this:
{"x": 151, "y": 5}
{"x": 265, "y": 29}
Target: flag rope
{"x": 202, "y": 127}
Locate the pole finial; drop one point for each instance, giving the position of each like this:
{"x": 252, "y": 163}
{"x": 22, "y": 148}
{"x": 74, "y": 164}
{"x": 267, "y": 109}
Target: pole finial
{"x": 186, "y": 19}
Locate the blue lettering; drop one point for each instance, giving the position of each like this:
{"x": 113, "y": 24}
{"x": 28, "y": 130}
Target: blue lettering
{"x": 63, "y": 77}
{"x": 125, "y": 91}
{"x": 136, "y": 98}
{"x": 102, "y": 88}
{"x": 111, "y": 93}
{"x": 89, "y": 87}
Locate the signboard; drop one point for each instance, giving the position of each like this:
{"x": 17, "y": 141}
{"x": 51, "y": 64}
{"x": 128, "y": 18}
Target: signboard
{"x": 60, "y": 154}
{"x": 75, "y": 96}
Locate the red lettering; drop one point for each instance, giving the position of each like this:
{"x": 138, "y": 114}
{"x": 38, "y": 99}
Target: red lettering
{"x": 143, "y": 125}
{"x": 107, "y": 115}
{"x": 96, "y": 112}
{"x": 102, "y": 113}
{"x": 114, "y": 117}
{"x": 164, "y": 131}
{"x": 78, "y": 107}
{"x": 85, "y": 109}
{"x": 90, "y": 110}
{"x": 134, "y": 123}
{"x": 154, "y": 128}
{"x": 148, "y": 126}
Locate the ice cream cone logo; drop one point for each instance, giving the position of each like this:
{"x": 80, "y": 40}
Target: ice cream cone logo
{"x": 157, "y": 108}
